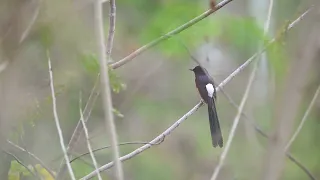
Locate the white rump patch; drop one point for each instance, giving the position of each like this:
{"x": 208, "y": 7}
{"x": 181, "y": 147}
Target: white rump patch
{"x": 210, "y": 89}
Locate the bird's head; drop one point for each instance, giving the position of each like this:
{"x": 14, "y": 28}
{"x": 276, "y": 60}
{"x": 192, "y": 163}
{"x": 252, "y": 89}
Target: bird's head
{"x": 197, "y": 70}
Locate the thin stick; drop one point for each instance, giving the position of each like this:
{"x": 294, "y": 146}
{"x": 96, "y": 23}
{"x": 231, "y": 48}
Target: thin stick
{"x": 195, "y": 108}
{"x": 262, "y": 133}
{"x": 169, "y": 35}
{"x": 159, "y": 138}
{"x": 285, "y": 111}
{"x": 31, "y": 23}
{"x": 104, "y": 79}
{"x": 25, "y": 147}
{"x": 21, "y": 163}
{"x": 78, "y": 130}
{"x": 88, "y": 142}
{"x": 107, "y": 147}
{"x": 306, "y": 114}
{"x": 87, "y": 112}
{"x": 56, "y": 118}
{"x": 235, "y": 123}
{"x": 242, "y": 104}
{"x": 33, "y": 156}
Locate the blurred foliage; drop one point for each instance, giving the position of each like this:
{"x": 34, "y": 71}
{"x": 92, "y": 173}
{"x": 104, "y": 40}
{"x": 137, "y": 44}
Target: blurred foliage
{"x": 18, "y": 172}
{"x": 162, "y": 22}
{"x": 144, "y": 21}
{"x": 90, "y": 63}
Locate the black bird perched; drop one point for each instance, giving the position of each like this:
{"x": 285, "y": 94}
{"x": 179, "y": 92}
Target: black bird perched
{"x": 207, "y": 91}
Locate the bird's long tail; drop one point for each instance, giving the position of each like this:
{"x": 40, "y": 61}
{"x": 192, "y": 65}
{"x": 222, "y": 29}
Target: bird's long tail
{"x": 214, "y": 124}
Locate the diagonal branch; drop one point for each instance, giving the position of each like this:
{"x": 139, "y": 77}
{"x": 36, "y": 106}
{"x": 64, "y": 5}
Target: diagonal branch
{"x": 33, "y": 156}
{"x": 104, "y": 78}
{"x": 235, "y": 123}
{"x": 169, "y": 35}
{"x": 194, "y": 109}
{"x": 21, "y": 163}
{"x": 303, "y": 119}
{"x": 88, "y": 142}
{"x": 262, "y": 133}
{"x": 78, "y": 130}
{"x": 56, "y": 118}
{"x": 120, "y": 144}
{"x": 159, "y": 138}
{"x": 242, "y": 104}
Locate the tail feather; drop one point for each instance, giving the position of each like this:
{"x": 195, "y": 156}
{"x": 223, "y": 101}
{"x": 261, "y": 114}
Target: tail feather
{"x": 214, "y": 124}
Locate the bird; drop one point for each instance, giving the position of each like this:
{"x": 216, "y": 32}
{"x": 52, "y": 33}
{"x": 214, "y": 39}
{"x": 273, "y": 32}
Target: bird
{"x": 207, "y": 91}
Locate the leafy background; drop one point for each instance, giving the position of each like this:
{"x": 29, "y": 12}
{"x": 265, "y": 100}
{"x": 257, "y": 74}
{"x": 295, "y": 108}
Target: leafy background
{"x": 151, "y": 92}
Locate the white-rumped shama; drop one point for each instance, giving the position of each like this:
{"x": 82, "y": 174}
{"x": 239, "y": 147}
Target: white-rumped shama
{"x": 207, "y": 91}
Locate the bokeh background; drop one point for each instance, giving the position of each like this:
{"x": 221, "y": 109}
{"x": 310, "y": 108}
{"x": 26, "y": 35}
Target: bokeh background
{"x": 156, "y": 88}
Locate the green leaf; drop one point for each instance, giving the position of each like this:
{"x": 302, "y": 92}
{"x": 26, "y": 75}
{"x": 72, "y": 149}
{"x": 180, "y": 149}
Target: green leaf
{"x": 116, "y": 84}
{"x": 117, "y": 113}
{"x": 173, "y": 14}
{"x": 46, "y": 35}
{"x": 16, "y": 169}
{"x": 90, "y": 62}
{"x": 244, "y": 34}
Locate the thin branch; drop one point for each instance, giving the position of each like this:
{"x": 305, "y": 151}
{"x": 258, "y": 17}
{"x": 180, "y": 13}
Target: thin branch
{"x": 235, "y": 123}
{"x": 78, "y": 130}
{"x": 31, "y": 23}
{"x": 33, "y": 156}
{"x": 29, "y": 156}
{"x": 169, "y": 35}
{"x": 159, "y": 138}
{"x": 105, "y": 84}
{"x": 303, "y": 119}
{"x": 107, "y": 147}
{"x": 194, "y": 109}
{"x": 242, "y": 104}
{"x": 289, "y": 155}
{"x": 94, "y": 93}
{"x": 261, "y": 132}
{"x": 286, "y": 108}
{"x": 56, "y": 118}
{"x": 21, "y": 163}
{"x": 88, "y": 142}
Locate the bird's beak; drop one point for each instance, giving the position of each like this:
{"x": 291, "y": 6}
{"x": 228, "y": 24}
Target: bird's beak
{"x": 191, "y": 69}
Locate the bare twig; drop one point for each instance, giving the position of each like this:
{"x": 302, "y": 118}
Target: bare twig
{"x": 94, "y": 93}
{"x": 21, "y": 163}
{"x": 88, "y": 142}
{"x": 31, "y": 23}
{"x": 242, "y": 104}
{"x": 107, "y": 147}
{"x": 194, "y": 109}
{"x": 33, "y": 156}
{"x": 159, "y": 138}
{"x": 286, "y": 108}
{"x": 56, "y": 118}
{"x": 104, "y": 79}
{"x": 168, "y": 35}
{"x": 243, "y": 101}
{"x": 261, "y": 132}
{"x": 235, "y": 123}
{"x": 303, "y": 119}
{"x": 78, "y": 130}
{"x": 30, "y": 158}
{"x": 311, "y": 177}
